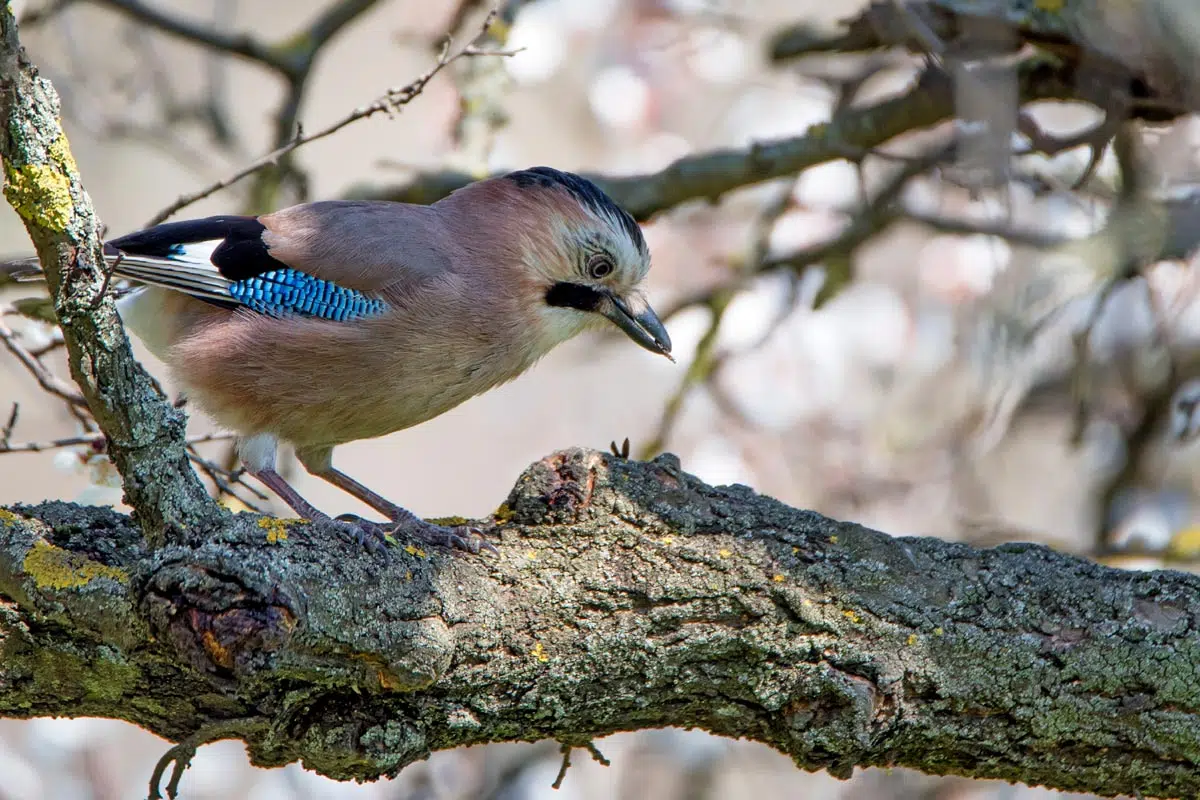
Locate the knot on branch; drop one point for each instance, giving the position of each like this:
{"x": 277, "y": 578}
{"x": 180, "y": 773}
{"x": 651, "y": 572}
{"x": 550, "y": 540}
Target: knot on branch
{"x": 308, "y": 603}
{"x": 336, "y": 737}
{"x": 219, "y": 624}
{"x": 575, "y": 485}
{"x": 835, "y": 716}
{"x": 559, "y": 488}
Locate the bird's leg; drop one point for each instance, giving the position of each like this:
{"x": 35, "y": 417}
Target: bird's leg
{"x": 306, "y": 510}
{"x": 257, "y": 452}
{"x": 460, "y": 536}
{"x": 319, "y": 463}
{"x": 275, "y": 482}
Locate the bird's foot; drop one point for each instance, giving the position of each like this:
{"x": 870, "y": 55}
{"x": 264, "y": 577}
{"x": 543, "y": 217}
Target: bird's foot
{"x": 371, "y": 536}
{"x": 456, "y": 537}
{"x": 376, "y": 536}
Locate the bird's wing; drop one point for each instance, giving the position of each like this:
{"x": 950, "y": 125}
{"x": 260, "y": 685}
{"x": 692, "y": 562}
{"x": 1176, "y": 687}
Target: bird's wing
{"x": 335, "y": 260}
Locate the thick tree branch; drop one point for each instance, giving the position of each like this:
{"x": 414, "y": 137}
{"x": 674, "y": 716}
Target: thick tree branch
{"x": 626, "y": 595}
{"x": 42, "y": 182}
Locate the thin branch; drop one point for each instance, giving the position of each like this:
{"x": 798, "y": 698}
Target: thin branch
{"x": 699, "y": 371}
{"x": 180, "y": 756}
{"x": 7, "y": 431}
{"x": 227, "y": 480}
{"x": 44, "y": 13}
{"x": 878, "y": 214}
{"x": 565, "y": 749}
{"x": 391, "y": 102}
{"x": 330, "y": 23}
{"x": 1027, "y": 237}
{"x": 45, "y": 378}
{"x": 240, "y": 44}
{"x": 88, "y": 439}
{"x": 710, "y": 175}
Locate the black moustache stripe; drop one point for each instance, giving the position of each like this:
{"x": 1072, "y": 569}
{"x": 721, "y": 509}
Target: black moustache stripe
{"x": 573, "y": 295}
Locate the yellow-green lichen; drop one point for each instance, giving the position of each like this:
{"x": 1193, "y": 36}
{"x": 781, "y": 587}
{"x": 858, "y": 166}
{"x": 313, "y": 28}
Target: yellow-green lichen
{"x": 60, "y": 154}
{"x": 54, "y": 568}
{"x": 109, "y": 679}
{"x": 40, "y": 194}
{"x": 451, "y": 522}
{"x": 503, "y": 514}
{"x": 276, "y": 528}
{"x": 8, "y": 518}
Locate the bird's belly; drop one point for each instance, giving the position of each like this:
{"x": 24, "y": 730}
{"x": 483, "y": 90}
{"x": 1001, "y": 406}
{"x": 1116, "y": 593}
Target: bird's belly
{"x": 327, "y": 409}
{"x": 321, "y": 383}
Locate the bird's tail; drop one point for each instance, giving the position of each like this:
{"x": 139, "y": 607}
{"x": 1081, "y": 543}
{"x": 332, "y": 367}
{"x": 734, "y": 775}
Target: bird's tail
{"x": 20, "y": 270}
{"x": 184, "y": 271}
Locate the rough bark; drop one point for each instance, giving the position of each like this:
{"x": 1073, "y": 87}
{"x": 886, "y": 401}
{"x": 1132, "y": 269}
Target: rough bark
{"x": 626, "y": 595}
{"x": 43, "y": 185}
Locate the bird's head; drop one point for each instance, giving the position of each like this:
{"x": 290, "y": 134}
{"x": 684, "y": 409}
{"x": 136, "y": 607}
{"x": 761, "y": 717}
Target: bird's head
{"x": 586, "y": 257}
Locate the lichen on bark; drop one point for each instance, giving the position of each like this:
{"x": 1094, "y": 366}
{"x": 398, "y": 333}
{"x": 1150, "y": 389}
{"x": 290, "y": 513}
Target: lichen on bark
{"x": 626, "y": 595}
{"x": 42, "y": 183}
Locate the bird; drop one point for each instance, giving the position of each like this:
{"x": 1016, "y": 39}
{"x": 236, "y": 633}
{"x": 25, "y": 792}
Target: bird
{"x": 334, "y": 321}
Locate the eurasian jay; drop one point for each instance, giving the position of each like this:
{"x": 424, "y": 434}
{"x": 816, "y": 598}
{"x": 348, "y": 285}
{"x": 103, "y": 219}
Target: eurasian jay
{"x": 333, "y": 321}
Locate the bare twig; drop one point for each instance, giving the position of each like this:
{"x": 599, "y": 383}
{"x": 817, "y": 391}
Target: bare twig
{"x": 718, "y": 302}
{"x": 1016, "y": 236}
{"x": 227, "y": 481}
{"x": 88, "y": 439}
{"x": 878, "y": 214}
{"x": 45, "y": 378}
{"x": 565, "y": 749}
{"x": 1081, "y": 342}
{"x": 182, "y": 753}
{"x": 38, "y": 447}
{"x": 390, "y": 102}
{"x": 239, "y": 44}
{"x": 7, "y": 430}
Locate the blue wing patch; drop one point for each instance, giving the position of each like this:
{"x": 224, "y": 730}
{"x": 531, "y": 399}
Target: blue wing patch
{"x": 287, "y": 291}
{"x": 223, "y": 260}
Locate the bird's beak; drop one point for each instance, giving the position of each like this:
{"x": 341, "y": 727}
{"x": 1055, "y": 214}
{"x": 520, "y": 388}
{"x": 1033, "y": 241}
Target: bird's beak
{"x": 644, "y": 326}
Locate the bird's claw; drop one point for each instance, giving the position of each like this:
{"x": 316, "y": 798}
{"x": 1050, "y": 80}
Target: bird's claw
{"x": 458, "y": 537}
{"x": 376, "y": 536}
{"x": 371, "y": 536}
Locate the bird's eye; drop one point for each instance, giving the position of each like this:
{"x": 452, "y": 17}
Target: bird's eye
{"x": 599, "y": 266}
